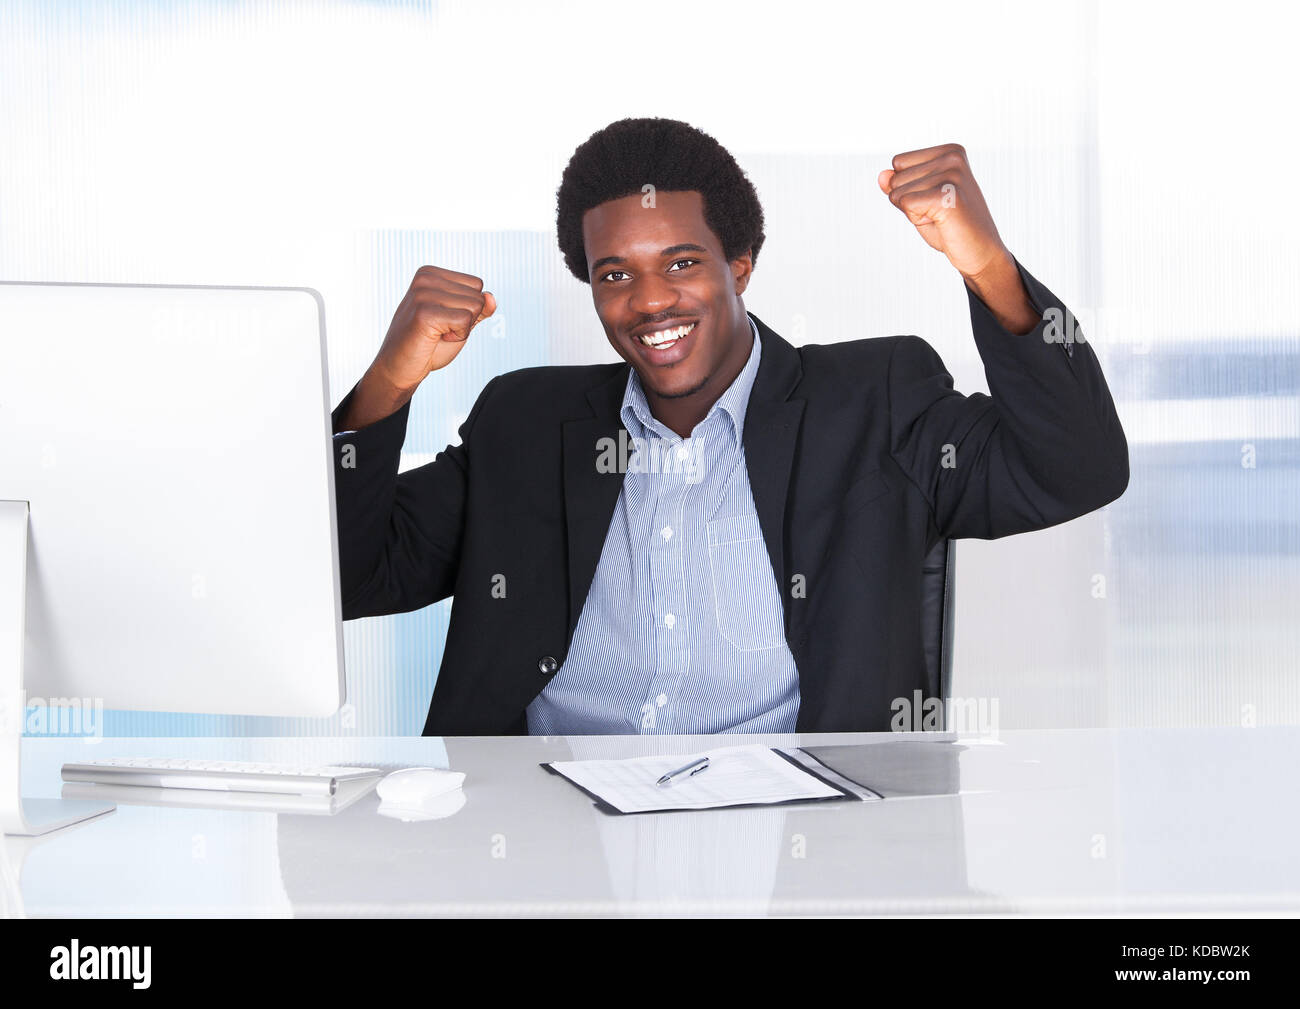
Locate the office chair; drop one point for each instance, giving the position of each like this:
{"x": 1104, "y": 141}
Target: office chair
{"x": 938, "y": 582}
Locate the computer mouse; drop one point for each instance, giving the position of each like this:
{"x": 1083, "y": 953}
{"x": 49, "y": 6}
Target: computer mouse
{"x": 413, "y": 786}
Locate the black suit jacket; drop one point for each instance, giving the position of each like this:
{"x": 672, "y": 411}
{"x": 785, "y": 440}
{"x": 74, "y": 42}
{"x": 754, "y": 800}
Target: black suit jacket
{"x": 861, "y": 456}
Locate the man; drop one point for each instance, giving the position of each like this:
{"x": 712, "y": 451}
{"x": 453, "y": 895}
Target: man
{"x": 723, "y": 533}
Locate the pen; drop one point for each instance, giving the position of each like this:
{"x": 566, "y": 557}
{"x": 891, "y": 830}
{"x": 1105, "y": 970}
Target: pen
{"x": 690, "y": 770}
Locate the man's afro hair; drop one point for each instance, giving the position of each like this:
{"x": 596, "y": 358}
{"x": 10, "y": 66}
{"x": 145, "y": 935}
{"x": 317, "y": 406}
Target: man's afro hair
{"x": 673, "y": 157}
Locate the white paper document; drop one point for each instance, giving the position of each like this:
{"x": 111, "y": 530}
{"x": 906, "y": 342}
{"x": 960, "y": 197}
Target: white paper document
{"x": 737, "y": 776}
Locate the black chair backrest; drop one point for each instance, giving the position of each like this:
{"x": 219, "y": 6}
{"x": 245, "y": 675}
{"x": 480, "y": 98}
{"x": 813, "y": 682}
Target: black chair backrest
{"x": 937, "y": 586}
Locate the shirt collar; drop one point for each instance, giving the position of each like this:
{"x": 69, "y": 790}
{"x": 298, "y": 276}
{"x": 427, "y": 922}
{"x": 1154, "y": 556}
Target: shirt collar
{"x": 637, "y": 417}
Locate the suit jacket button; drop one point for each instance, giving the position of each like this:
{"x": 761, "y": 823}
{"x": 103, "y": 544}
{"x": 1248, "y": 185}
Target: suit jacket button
{"x": 548, "y": 665}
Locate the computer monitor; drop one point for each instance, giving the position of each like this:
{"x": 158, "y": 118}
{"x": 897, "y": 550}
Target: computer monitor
{"x": 167, "y": 523}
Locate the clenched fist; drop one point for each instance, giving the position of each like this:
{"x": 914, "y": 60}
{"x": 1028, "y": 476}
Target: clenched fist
{"x": 935, "y": 189}
{"x": 429, "y": 328}
{"x": 431, "y": 325}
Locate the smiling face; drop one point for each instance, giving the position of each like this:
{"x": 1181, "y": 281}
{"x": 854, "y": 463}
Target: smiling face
{"x": 669, "y": 300}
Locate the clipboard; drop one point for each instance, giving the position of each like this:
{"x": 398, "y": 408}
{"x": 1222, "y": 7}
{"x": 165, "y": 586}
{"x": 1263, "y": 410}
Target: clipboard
{"x": 625, "y": 787}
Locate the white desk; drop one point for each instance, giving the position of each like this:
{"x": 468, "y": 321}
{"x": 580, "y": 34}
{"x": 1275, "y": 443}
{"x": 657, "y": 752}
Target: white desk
{"x": 1073, "y": 822}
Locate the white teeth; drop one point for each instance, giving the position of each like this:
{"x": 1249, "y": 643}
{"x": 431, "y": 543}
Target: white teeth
{"x": 666, "y": 337}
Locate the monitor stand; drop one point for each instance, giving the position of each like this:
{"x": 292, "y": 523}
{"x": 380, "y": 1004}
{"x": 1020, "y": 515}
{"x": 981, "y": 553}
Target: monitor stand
{"x": 29, "y": 817}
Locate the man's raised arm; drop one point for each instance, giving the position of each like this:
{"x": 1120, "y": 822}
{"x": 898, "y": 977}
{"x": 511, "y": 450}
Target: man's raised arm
{"x": 399, "y": 535}
{"x": 1046, "y": 445}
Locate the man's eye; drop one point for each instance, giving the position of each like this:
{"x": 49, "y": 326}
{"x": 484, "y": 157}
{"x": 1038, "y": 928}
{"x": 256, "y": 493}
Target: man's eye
{"x": 624, "y": 274}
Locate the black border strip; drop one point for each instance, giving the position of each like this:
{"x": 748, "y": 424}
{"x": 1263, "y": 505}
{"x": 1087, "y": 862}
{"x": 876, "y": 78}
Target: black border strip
{"x": 825, "y": 781}
{"x": 804, "y": 749}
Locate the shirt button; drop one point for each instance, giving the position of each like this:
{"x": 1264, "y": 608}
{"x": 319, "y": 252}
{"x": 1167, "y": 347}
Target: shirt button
{"x": 548, "y": 665}
{"x": 661, "y": 700}
{"x": 670, "y": 620}
{"x": 683, "y": 453}
{"x": 666, "y": 532}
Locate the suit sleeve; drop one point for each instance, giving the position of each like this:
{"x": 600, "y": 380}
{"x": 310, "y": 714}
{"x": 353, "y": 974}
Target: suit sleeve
{"x": 1043, "y": 447}
{"x": 399, "y": 534}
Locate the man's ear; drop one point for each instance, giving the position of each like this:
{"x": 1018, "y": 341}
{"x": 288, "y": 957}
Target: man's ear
{"x": 742, "y": 268}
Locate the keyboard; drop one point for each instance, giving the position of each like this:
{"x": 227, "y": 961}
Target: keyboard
{"x": 217, "y": 775}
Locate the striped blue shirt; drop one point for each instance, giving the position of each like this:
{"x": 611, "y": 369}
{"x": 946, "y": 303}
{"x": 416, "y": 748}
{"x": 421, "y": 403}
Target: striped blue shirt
{"x": 683, "y": 629}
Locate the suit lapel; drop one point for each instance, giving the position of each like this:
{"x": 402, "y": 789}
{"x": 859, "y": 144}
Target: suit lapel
{"x": 772, "y": 422}
{"x": 771, "y": 430}
{"x": 589, "y": 494}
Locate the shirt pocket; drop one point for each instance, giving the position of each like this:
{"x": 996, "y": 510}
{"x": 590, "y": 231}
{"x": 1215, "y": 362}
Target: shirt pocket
{"x": 746, "y": 603}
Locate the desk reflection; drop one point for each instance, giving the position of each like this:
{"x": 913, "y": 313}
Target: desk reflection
{"x": 526, "y": 842}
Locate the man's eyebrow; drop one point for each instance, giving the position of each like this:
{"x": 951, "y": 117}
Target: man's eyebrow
{"x": 672, "y": 250}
